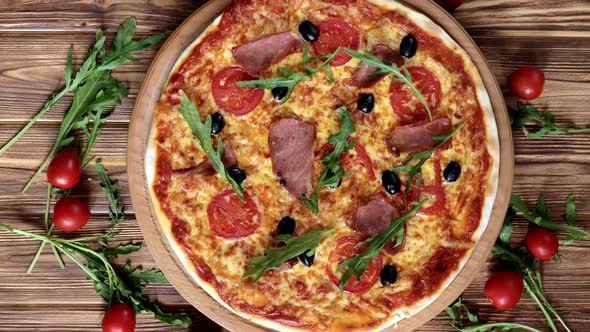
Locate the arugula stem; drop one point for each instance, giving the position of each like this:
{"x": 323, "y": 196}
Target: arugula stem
{"x": 529, "y": 286}
{"x": 542, "y": 299}
{"x": 500, "y": 325}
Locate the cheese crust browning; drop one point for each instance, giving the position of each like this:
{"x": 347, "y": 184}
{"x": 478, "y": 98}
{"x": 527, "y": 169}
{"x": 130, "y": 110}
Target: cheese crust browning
{"x": 296, "y": 296}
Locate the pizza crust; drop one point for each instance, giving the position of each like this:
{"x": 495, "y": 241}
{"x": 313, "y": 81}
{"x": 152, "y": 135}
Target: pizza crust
{"x": 492, "y": 186}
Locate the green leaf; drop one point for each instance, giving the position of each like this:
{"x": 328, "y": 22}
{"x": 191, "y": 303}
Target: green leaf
{"x": 358, "y": 264}
{"x": 507, "y": 227}
{"x": 274, "y": 257}
{"x": 116, "y": 209}
{"x": 149, "y": 276}
{"x": 540, "y": 208}
{"x": 203, "y": 133}
{"x": 122, "y": 249}
{"x": 543, "y": 122}
{"x": 570, "y": 210}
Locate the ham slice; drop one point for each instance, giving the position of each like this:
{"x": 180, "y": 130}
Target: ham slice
{"x": 362, "y": 77}
{"x": 418, "y": 137}
{"x": 292, "y": 145}
{"x": 206, "y": 169}
{"x": 374, "y": 217}
{"x": 257, "y": 55}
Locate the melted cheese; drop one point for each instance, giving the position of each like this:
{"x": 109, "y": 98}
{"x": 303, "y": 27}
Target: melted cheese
{"x": 307, "y": 294}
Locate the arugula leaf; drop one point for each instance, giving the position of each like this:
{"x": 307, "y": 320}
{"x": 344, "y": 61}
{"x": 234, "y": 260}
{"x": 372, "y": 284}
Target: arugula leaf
{"x": 122, "y": 249}
{"x": 203, "y": 132}
{"x": 332, "y": 173}
{"x": 421, "y": 157}
{"x": 290, "y": 79}
{"x": 94, "y": 90}
{"x": 273, "y": 258}
{"x": 575, "y": 233}
{"x": 358, "y": 264}
{"x": 402, "y": 76}
{"x": 464, "y": 320}
{"x": 544, "y": 122}
{"x": 116, "y": 211}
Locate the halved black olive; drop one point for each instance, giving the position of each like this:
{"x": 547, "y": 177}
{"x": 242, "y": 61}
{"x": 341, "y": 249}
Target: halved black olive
{"x": 217, "y": 123}
{"x": 388, "y": 275}
{"x": 306, "y": 260}
{"x": 309, "y": 31}
{"x": 365, "y": 103}
{"x": 391, "y": 182}
{"x": 408, "y": 46}
{"x": 286, "y": 225}
{"x": 279, "y": 92}
{"x": 237, "y": 174}
{"x": 452, "y": 172}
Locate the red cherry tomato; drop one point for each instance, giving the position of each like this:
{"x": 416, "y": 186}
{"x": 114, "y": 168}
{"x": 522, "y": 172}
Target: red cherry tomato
{"x": 70, "y": 214}
{"x": 449, "y": 5}
{"x": 119, "y": 318}
{"x": 346, "y": 248}
{"x": 64, "y": 170}
{"x": 232, "y": 98}
{"x": 336, "y": 33}
{"x": 504, "y": 289}
{"x": 526, "y": 83}
{"x": 408, "y": 108}
{"x": 230, "y": 218}
{"x": 541, "y": 243}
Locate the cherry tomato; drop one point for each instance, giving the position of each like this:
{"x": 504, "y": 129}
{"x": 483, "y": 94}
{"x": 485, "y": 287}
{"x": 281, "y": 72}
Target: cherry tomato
{"x": 504, "y": 289}
{"x": 346, "y": 248}
{"x": 406, "y": 106}
{"x": 541, "y": 243}
{"x": 119, "y": 318}
{"x": 230, "y": 218}
{"x": 526, "y": 83}
{"x": 449, "y": 5}
{"x": 64, "y": 170}
{"x": 336, "y": 33}
{"x": 70, "y": 214}
{"x": 232, "y": 98}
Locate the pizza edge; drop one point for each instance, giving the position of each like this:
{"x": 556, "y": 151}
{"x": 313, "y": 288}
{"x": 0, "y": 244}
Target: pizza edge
{"x": 493, "y": 147}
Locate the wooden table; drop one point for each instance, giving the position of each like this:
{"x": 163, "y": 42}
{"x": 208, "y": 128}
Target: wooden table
{"x": 35, "y": 37}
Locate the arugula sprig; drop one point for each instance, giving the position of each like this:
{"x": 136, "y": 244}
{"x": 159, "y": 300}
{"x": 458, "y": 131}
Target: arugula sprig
{"x": 274, "y": 257}
{"x": 113, "y": 284}
{"x": 399, "y": 75}
{"x": 94, "y": 90}
{"x": 465, "y": 321}
{"x": 290, "y": 79}
{"x": 332, "y": 173}
{"x": 358, "y": 264}
{"x": 202, "y": 131}
{"x": 522, "y": 261}
{"x": 544, "y": 122}
{"x": 415, "y": 170}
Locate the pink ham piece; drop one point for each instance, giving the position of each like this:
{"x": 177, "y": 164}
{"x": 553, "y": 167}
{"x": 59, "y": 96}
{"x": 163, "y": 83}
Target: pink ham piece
{"x": 228, "y": 158}
{"x": 292, "y": 145}
{"x": 362, "y": 76}
{"x": 418, "y": 137}
{"x": 374, "y": 217}
{"x": 261, "y": 53}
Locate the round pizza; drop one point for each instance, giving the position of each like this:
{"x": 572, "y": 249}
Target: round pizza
{"x": 323, "y": 165}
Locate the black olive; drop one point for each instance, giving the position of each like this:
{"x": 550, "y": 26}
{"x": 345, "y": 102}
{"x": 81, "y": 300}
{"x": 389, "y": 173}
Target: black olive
{"x": 330, "y": 174}
{"x": 286, "y": 225}
{"x": 306, "y": 260}
{"x": 388, "y": 275}
{"x": 391, "y": 182}
{"x": 309, "y": 31}
{"x": 217, "y": 123}
{"x": 452, "y": 171}
{"x": 408, "y": 46}
{"x": 237, "y": 174}
{"x": 279, "y": 92}
{"x": 366, "y": 103}
{"x": 282, "y": 182}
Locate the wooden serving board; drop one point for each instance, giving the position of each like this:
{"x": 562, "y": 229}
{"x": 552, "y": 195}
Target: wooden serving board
{"x": 141, "y": 123}
{"x": 34, "y": 40}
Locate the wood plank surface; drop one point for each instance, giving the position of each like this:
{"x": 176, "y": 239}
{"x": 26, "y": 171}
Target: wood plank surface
{"x": 35, "y": 37}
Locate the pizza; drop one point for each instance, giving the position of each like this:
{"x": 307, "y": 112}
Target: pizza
{"x": 323, "y": 165}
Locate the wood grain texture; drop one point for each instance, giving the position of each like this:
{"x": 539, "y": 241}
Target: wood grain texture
{"x": 35, "y": 36}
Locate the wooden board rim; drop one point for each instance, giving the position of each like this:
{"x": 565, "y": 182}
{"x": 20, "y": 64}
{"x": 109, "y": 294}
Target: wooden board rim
{"x": 163, "y": 254}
